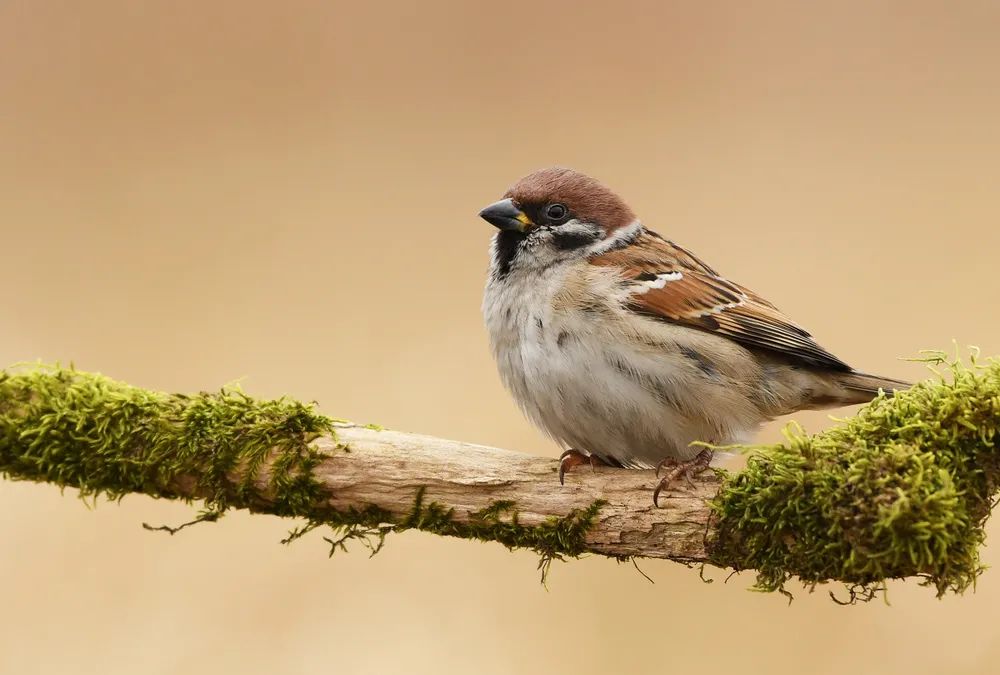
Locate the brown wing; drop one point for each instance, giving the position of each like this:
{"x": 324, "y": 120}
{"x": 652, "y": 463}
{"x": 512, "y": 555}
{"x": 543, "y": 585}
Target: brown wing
{"x": 671, "y": 284}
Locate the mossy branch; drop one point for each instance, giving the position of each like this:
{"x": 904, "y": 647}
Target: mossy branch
{"x": 900, "y": 490}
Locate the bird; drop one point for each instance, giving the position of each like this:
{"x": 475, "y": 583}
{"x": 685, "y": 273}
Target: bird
{"x": 628, "y": 349}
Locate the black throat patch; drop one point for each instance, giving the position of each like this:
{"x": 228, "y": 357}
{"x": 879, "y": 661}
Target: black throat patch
{"x": 506, "y": 245}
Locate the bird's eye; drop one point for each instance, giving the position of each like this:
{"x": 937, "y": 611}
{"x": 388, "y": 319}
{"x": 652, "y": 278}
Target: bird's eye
{"x": 556, "y": 212}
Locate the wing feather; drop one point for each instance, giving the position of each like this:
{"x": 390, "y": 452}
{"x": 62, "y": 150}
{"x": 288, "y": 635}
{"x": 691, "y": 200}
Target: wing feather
{"x": 671, "y": 284}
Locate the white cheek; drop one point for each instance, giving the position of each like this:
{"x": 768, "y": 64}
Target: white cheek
{"x": 578, "y": 226}
{"x": 622, "y": 236}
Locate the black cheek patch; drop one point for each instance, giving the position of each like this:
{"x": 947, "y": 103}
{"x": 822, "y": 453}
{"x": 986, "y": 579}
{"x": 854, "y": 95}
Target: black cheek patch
{"x": 567, "y": 241}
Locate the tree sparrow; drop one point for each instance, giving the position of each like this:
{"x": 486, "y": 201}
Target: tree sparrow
{"x": 626, "y": 348}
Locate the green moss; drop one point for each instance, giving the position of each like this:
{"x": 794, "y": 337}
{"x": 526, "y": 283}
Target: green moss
{"x": 107, "y": 438}
{"x": 103, "y": 437}
{"x": 902, "y": 489}
{"x": 555, "y": 539}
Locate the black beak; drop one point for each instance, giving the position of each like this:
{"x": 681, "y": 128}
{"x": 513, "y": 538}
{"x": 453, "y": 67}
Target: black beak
{"x": 505, "y": 215}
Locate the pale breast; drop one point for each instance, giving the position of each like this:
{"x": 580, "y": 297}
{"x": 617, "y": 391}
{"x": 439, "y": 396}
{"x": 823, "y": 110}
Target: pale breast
{"x": 599, "y": 379}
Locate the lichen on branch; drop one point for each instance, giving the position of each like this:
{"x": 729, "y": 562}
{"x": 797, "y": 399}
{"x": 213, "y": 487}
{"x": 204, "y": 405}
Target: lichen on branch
{"x": 902, "y": 489}
{"x": 103, "y": 437}
{"x": 227, "y": 449}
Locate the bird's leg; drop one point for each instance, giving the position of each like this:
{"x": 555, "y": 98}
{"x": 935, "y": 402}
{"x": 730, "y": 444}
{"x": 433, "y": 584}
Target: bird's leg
{"x": 573, "y": 458}
{"x": 675, "y": 470}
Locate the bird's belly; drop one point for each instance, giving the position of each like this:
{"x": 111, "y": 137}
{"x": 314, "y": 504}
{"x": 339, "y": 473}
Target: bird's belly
{"x": 635, "y": 406}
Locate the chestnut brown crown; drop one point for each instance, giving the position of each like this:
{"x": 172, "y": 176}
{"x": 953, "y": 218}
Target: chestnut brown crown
{"x": 587, "y": 199}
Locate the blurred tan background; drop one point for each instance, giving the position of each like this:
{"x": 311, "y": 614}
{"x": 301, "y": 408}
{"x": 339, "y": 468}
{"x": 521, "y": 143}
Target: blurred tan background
{"x": 285, "y": 194}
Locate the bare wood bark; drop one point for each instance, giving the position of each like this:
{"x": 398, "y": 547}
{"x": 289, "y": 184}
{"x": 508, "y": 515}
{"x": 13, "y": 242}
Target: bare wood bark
{"x": 387, "y": 468}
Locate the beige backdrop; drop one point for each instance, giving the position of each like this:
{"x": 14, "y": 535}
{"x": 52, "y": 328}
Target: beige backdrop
{"x": 285, "y": 194}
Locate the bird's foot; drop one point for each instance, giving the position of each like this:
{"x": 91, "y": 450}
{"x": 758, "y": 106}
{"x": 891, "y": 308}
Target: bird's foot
{"x": 573, "y": 458}
{"x": 677, "y": 470}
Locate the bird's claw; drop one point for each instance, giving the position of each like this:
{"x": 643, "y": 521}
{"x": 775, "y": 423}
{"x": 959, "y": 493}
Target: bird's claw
{"x": 686, "y": 470}
{"x": 573, "y": 458}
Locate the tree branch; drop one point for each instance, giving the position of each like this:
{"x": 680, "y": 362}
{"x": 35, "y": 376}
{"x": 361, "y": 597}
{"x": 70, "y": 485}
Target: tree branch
{"x": 903, "y": 489}
{"x": 387, "y": 469}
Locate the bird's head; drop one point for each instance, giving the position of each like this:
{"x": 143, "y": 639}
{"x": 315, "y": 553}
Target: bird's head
{"x": 554, "y": 214}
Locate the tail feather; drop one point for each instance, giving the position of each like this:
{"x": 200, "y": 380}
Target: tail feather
{"x": 865, "y": 387}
